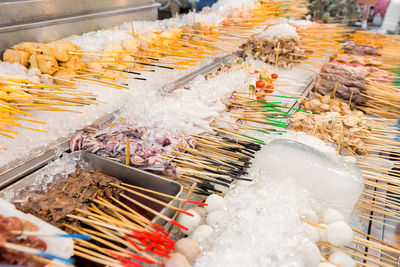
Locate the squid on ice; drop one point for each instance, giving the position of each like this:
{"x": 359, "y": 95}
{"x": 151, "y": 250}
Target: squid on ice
{"x": 145, "y": 147}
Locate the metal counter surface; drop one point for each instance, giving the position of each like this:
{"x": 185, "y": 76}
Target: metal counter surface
{"x": 43, "y": 21}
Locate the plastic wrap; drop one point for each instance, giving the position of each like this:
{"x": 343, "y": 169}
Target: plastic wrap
{"x": 333, "y": 181}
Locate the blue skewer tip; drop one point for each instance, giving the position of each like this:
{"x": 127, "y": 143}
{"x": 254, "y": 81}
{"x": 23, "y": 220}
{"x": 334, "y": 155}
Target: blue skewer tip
{"x": 78, "y": 236}
{"x": 54, "y": 257}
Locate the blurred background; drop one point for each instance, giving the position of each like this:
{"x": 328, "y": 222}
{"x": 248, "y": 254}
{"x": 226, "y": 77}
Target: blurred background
{"x": 377, "y": 15}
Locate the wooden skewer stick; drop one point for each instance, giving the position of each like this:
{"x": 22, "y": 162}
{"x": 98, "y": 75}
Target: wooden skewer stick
{"x": 165, "y": 195}
{"x": 152, "y": 199}
{"x": 127, "y": 151}
{"x": 162, "y": 216}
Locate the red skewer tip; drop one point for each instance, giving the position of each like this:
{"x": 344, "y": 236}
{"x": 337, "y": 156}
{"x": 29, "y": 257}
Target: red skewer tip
{"x": 196, "y": 202}
{"x": 179, "y": 225}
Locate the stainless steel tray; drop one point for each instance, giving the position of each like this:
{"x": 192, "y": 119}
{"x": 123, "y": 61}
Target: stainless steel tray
{"x": 125, "y": 174}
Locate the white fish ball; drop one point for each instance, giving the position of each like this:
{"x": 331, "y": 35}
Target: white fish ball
{"x": 339, "y": 234}
{"x": 202, "y": 233}
{"x": 342, "y": 259}
{"x": 322, "y": 233}
{"x": 326, "y": 264}
{"x": 331, "y": 215}
{"x": 191, "y": 222}
{"x": 311, "y": 254}
{"x": 214, "y": 217}
{"x": 214, "y": 202}
{"x": 201, "y": 211}
{"x": 188, "y": 247}
{"x": 177, "y": 260}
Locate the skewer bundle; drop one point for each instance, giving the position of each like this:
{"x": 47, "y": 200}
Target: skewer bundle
{"x": 19, "y": 96}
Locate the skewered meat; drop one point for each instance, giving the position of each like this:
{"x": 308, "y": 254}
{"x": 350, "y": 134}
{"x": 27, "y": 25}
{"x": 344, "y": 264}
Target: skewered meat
{"x": 47, "y": 64}
{"x": 63, "y": 196}
{"x": 16, "y": 56}
{"x": 347, "y": 78}
{"x": 9, "y": 256}
{"x": 286, "y": 52}
{"x": 357, "y": 60}
{"x": 358, "y": 49}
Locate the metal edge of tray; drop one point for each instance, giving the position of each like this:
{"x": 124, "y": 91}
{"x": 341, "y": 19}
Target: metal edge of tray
{"x": 38, "y": 160}
{"x": 115, "y": 169}
{"x": 28, "y": 26}
{"x": 205, "y": 70}
{"x": 27, "y": 11}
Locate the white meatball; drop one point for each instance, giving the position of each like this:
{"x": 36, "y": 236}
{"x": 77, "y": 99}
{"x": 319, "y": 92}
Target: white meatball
{"x": 34, "y": 72}
{"x": 311, "y": 254}
{"x": 177, "y": 260}
{"x": 339, "y": 234}
{"x": 214, "y": 202}
{"x": 191, "y": 222}
{"x": 202, "y": 233}
{"x": 214, "y": 217}
{"x": 342, "y": 259}
{"x": 201, "y": 211}
{"x": 322, "y": 233}
{"x": 189, "y": 248}
{"x": 331, "y": 215}
{"x": 35, "y": 79}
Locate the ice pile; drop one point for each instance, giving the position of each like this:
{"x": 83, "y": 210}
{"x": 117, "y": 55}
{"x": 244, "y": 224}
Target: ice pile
{"x": 97, "y": 40}
{"x": 279, "y": 31}
{"x": 187, "y": 110}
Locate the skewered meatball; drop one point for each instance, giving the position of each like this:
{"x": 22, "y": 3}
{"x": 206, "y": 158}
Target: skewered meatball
{"x": 16, "y": 56}
{"x": 47, "y": 64}
{"x": 60, "y": 50}
{"x": 29, "y": 47}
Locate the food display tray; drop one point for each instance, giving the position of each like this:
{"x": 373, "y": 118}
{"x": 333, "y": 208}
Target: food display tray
{"x": 25, "y": 167}
{"x": 125, "y": 174}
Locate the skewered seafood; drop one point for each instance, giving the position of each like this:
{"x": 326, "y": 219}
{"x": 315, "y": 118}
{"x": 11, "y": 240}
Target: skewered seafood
{"x": 349, "y": 130}
{"x": 145, "y": 149}
{"x": 319, "y": 104}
